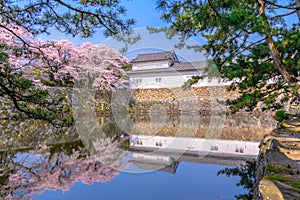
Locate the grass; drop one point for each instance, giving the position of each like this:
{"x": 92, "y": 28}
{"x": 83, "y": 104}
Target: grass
{"x": 294, "y": 190}
{"x": 286, "y": 125}
{"x": 295, "y": 129}
{"x": 276, "y": 169}
{"x": 294, "y": 183}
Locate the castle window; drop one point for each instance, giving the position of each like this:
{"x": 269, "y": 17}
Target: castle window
{"x": 138, "y": 81}
{"x": 139, "y": 142}
{"x": 214, "y": 148}
{"x": 158, "y": 80}
{"x": 158, "y": 144}
{"x": 241, "y": 150}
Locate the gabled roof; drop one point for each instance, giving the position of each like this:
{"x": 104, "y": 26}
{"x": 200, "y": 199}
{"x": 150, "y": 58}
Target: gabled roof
{"x": 159, "y": 56}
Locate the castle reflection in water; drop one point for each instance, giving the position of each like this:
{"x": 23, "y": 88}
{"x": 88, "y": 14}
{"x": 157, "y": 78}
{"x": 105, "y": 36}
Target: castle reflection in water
{"x": 161, "y": 142}
{"x": 42, "y": 160}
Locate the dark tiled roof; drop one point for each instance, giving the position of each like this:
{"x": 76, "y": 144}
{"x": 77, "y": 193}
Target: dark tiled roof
{"x": 147, "y": 165}
{"x": 166, "y": 55}
{"x": 182, "y": 66}
{"x": 176, "y": 67}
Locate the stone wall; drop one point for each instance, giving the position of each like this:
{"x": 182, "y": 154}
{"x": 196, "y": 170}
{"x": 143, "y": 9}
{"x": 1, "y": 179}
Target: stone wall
{"x": 230, "y": 127}
{"x": 277, "y": 171}
{"x": 202, "y": 93}
{"x": 176, "y": 100}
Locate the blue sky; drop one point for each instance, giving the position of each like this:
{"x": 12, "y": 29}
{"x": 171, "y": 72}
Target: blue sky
{"x": 143, "y": 11}
{"x": 145, "y": 14}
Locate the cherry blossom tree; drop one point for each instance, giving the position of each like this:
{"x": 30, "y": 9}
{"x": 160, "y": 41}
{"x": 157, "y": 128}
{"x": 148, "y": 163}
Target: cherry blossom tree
{"x": 101, "y": 67}
{"x": 20, "y": 53}
{"x": 28, "y": 65}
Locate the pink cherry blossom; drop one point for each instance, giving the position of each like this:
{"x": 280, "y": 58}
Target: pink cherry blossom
{"x": 60, "y": 59}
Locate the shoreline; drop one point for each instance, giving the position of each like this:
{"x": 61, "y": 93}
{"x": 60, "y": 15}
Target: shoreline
{"x": 278, "y": 164}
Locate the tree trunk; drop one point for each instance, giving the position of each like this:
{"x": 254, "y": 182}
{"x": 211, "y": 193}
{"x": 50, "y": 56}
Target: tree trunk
{"x": 287, "y": 76}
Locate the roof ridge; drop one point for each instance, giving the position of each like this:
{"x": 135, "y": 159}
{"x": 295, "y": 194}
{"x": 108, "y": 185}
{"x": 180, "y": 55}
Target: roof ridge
{"x": 164, "y": 55}
{"x": 154, "y": 52}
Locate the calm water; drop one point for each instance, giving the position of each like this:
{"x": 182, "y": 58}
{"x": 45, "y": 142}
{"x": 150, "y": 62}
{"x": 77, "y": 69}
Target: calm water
{"x": 178, "y": 157}
{"x": 191, "y": 181}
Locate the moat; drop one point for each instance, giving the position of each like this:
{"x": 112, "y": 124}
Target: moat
{"x": 132, "y": 157}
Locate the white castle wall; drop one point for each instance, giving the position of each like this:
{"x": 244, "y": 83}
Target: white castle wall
{"x": 172, "y": 80}
{"x": 150, "y": 65}
{"x": 199, "y": 145}
{"x": 166, "y": 81}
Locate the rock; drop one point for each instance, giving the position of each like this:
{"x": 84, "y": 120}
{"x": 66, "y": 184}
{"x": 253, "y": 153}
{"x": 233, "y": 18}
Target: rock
{"x": 279, "y": 148}
{"x": 269, "y": 190}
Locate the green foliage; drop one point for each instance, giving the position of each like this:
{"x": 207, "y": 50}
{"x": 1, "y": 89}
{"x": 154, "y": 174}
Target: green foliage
{"x": 247, "y": 177}
{"x": 111, "y": 130}
{"x": 29, "y": 101}
{"x": 276, "y": 169}
{"x": 294, "y": 190}
{"x": 212, "y": 71}
{"x": 293, "y": 182}
{"x": 239, "y": 39}
{"x": 281, "y": 115}
{"x": 194, "y": 79}
{"x": 68, "y": 147}
{"x": 125, "y": 145}
{"x": 127, "y": 67}
{"x": 81, "y": 18}
{"x": 4, "y": 179}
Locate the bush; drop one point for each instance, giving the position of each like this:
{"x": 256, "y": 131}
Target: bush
{"x": 280, "y": 115}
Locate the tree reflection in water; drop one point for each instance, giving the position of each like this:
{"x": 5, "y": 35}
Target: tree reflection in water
{"x": 28, "y": 167}
{"x": 247, "y": 178}
{"x": 51, "y": 168}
